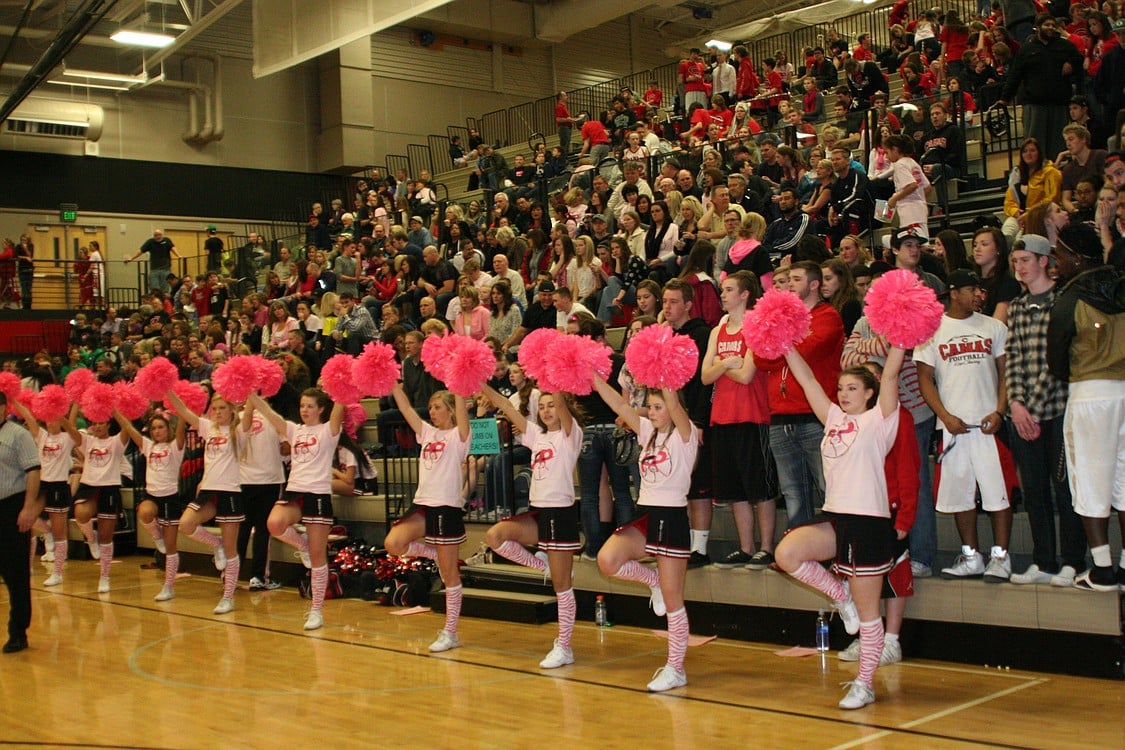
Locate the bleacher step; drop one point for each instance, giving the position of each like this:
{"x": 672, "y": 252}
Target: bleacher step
{"x": 509, "y": 606}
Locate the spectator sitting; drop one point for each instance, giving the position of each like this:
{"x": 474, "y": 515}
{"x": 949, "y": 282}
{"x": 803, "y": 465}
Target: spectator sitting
{"x": 474, "y": 318}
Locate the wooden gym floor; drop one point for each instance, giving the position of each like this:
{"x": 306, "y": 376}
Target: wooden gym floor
{"x": 120, "y": 670}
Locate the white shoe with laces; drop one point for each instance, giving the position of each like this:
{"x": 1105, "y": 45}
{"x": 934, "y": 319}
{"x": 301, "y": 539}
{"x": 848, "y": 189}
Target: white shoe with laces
{"x": 103, "y": 585}
{"x": 892, "y": 653}
{"x": 224, "y": 606}
{"x": 557, "y": 657}
{"x": 546, "y": 564}
{"x": 219, "y": 557}
{"x": 667, "y": 678}
{"x": 445, "y": 642}
{"x": 848, "y": 613}
{"x": 53, "y": 580}
{"x": 998, "y": 570}
{"x": 95, "y": 549}
{"x": 1033, "y": 575}
{"x": 851, "y": 653}
{"x": 859, "y": 695}
{"x": 305, "y": 559}
{"x": 166, "y": 594}
{"x": 1065, "y": 577}
{"x": 158, "y": 542}
{"x": 315, "y": 621}
{"x": 656, "y": 602}
{"x": 967, "y": 566}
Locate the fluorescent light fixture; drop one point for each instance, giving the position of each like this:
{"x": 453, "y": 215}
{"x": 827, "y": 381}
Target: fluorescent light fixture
{"x": 142, "y": 38}
{"x": 96, "y": 75}
{"x": 108, "y": 87}
{"x": 719, "y": 45}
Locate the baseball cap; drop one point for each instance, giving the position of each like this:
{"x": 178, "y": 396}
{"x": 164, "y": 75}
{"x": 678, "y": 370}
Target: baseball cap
{"x": 211, "y": 228}
{"x": 961, "y": 277}
{"x": 1036, "y": 243}
{"x": 770, "y": 138}
{"x": 546, "y": 286}
{"x": 910, "y": 231}
{"x": 417, "y": 219}
{"x": 1119, "y": 24}
{"x": 599, "y": 217}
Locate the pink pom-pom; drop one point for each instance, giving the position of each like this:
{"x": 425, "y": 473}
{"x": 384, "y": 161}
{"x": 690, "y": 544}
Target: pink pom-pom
{"x": 129, "y": 400}
{"x": 193, "y": 395}
{"x": 659, "y": 358}
{"x": 270, "y": 375}
{"x": 573, "y": 361}
{"x": 433, "y": 354}
{"x": 77, "y": 382}
{"x": 236, "y": 379}
{"x": 468, "y": 364}
{"x": 10, "y": 385}
{"x": 376, "y": 370}
{"x": 776, "y": 324}
{"x": 354, "y": 418}
{"x": 154, "y": 379}
{"x": 97, "y": 402}
{"x": 25, "y": 397}
{"x": 336, "y": 376}
{"x": 533, "y": 354}
{"x": 50, "y": 404}
{"x": 903, "y": 310}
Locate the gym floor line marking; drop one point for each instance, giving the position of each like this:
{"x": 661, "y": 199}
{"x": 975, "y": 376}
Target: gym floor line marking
{"x": 542, "y": 675}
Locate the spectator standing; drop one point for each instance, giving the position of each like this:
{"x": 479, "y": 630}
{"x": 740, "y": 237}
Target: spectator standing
{"x": 20, "y": 506}
{"x": 160, "y": 251}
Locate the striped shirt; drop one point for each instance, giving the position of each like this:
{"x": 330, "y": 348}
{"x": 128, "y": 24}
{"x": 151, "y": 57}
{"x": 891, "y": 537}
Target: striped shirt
{"x": 864, "y": 345}
{"x": 18, "y": 455}
{"x": 1026, "y": 375}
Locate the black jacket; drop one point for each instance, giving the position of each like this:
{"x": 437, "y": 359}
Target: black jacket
{"x": 697, "y": 396}
{"x": 1036, "y": 72}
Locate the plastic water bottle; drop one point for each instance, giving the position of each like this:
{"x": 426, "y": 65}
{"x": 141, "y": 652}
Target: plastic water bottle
{"x": 600, "y": 618}
{"x": 821, "y": 631}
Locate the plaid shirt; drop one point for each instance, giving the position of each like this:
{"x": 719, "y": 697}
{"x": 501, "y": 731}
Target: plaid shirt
{"x": 1026, "y": 375}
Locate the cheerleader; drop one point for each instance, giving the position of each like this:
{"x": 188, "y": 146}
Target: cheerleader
{"x": 161, "y": 508}
{"x": 262, "y": 475}
{"x": 99, "y": 488}
{"x": 555, "y": 441}
{"x": 308, "y": 495}
{"x": 220, "y": 495}
{"x": 437, "y": 515}
{"x": 56, "y": 441}
{"x": 669, "y": 443}
{"x": 854, "y": 528}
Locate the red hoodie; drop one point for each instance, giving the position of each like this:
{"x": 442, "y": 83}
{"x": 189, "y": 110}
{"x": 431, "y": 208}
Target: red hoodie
{"x": 821, "y": 349}
{"x": 901, "y": 467}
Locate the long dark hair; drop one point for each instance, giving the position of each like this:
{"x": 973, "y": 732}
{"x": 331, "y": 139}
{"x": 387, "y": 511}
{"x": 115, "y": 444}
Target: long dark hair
{"x": 505, "y": 290}
{"x": 955, "y": 255}
{"x": 1027, "y": 170}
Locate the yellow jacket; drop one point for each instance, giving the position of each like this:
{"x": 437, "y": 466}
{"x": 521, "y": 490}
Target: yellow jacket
{"x": 1045, "y": 186}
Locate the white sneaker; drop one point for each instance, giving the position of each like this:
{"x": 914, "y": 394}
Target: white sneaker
{"x": 967, "y": 566}
{"x": 1065, "y": 577}
{"x": 305, "y": 559}
{"x": 656, "y": 602}
{"x": 558, "y": 657}
{"x": 53, "y": 580}
{"x": 851, "y": 653}
{"x": 49, "y": 555}
{"x": 445, "y": 641}
{"x": 315, "y": 621}
{"x": 999, "y": 570}
{"x": 1032, "y": 575}
{"x": 159, "y": 543}
{"x": 920, "y": 570}
{"x": 224, "y": 606}
{"x": 546, "y": 564}
{"x": 219, "y": 556}
{"x": 859, "y": 695}
{"x": 95, "y": 549}
{"x": 165, "y": 594}
{"x": 848, "y": 614}
{"x": 892, "y": 653}
{"x": 103, "y": 585}
{"x": 667, "y": 678}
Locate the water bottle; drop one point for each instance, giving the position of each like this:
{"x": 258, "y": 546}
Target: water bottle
{"x": 821, "y": 631}
{"x": 600, "y": 618}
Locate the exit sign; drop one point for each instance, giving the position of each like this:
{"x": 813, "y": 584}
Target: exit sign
{"x": 68, "y": 212}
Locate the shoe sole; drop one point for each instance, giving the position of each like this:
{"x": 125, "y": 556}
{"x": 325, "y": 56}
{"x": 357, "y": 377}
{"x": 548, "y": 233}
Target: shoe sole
{"x": 995, "y": 579}
{"x": 728, "y": 566}
{"x": 952, "y": 577}
{"x": 1090, "y": 586}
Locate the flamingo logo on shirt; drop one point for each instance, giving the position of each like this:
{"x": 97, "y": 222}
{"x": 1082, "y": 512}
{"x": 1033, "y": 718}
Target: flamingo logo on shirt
{"x": 217, "y": 445}
{"x": 51, "y": 451}
{"x": 838, "y": 440}
{"x": 159, "y": 457}
{"x": 99, "y": 457}
{"x": 656, "y": 466}
{"x": 306, "y": 448}
{"x": 256, "y": 425}
{"x": 432, "y": 453}
{"x": 540, "y": 462}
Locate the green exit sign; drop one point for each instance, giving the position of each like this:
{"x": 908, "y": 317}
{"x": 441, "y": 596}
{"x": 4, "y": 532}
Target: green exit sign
{"x": 68, "y": 212}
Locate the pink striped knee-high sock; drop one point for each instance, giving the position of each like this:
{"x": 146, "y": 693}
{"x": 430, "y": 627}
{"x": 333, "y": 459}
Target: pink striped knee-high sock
{"x": 567, "y": 609}
{"x": 870, "y": 649}
{"x": 106, "y": 559}
{"x": 206, "y": 537}
{"x": 516, "y": 552}
{"x": 815, "y": 575}
{"x": 452, "y": 609}
{"x": 677, "y": 638}
{"x": 319, "y": 587}
{"x": 153, "y": 529}
{"x": 421, "y": 549}
{"x": 60, "y": 556}
{"x": 295, "y": 539}
{"x": 87, "y": 529}
{"x": 634, "y": 571}
{"x": 230, "y": 576}
{"x": 171, "y": 567}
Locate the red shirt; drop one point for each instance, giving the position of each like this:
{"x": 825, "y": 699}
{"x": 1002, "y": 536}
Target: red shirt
{"x": 594, "y": 132}
{"x": 694, "y": 70}
{"x": 201, "y": 298}
{"x": 956, "y": 42}
{"x": 747, "y": 81}
{"x": 821, "y": 349}
{"x": 655, "y": 97}
{"x": 562, "y": 116}
{"x": 861, "y": 53}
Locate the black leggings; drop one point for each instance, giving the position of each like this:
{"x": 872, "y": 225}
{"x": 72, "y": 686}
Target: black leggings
{"x": 258, "y": 500}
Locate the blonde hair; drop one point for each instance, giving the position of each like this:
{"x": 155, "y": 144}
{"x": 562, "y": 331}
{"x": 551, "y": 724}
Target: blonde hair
{"x": 584, "y": 248}
{"x": 504, "y": 235}
{"x": 328, "y": 304}
{"x": 445, "y": 397}
{"x": 574, "y": 197}
{"x": 673, "y": 198}
{"x": 696, "y": 206}
{"x": 753, "y": 226}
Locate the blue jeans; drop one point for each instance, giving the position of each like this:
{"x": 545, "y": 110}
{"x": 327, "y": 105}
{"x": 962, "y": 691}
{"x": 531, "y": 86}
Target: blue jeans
{"x": 158, "y": 279}
{"x": 923, "y": 536}
{"x": 796, "y": 451}
{"x": 597, "y": 451}
{"x": 612, "y": 289}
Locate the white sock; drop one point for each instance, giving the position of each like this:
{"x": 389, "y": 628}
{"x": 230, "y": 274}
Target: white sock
{"x": 967, "y": 551}
{"x": 998, "y": 551}
{"x": 699, "y": 539}
{"x": 1102, "y": 556}
{"x": 889, "y": 637}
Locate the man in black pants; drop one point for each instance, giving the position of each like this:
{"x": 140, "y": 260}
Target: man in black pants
{"x": 19, "y": 507}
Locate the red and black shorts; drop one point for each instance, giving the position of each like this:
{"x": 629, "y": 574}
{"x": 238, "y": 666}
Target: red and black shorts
{"x": 558, "y": 528}
{"x": 742, "y": 465}
{"x": 56, "y": 497}
{"x": 107, "y": 498}
{"x": 445, "y": 525}
{"x": 228, "y": 505}
{"x": 314, "y": 508}
{"x": 168, "y": 509}
{"x": 667, "y": 531}
{"x": 863, "y": 543}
